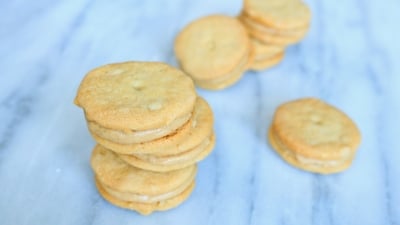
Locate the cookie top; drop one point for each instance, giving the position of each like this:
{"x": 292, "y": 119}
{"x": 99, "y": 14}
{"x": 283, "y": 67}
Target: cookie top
{"x": 284, "y": 14}
{"x": 212, "y": 46}
{"x": 110, "y": 170}
{"x": 315, "y": 129}
{"x": 136, "y": 95}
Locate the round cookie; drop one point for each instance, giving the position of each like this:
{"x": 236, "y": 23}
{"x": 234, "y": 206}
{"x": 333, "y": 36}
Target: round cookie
{"x": 147, "y": 208}
{"x": 267, "y": 63}
{"x": 212, "y": 47}
{"x": 171, "y": 162}
{"x": 186, "y": 137}
{"x": 110, "y": 170}
{"x": 136, "y": 96}
{"x": 282, "y": 14}
{"x": 314, "y": 130}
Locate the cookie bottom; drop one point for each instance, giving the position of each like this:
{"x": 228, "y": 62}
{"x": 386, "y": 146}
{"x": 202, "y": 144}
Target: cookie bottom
{"x": 173, "y": 162}
{"x": 267, "y": 63}
{"x": 227, "y": 79}
{"x": 308, "y": 164}
{"x": 146, "y": 208}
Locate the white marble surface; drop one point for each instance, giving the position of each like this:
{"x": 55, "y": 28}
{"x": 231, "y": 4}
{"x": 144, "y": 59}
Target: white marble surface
{"x": 350, "y": 58}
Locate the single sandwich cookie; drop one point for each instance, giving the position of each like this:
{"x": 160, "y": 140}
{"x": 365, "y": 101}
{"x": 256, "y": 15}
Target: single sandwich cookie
{"x": 171, "y": 162}
{"x": 188, "y": 136}
{"x": 315, "y": 136}
{"x": 136, "y": 96}
{"x": 213, "y": 50}
{"x": 146, "y": 208}
{"x": 119, "y": 176}
{"x": 281, "y": 14}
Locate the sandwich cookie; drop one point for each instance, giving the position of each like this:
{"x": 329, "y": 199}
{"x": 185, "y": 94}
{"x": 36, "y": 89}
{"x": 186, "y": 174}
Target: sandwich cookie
{"x": 314, "y": 136}
{"x": 133, "y": 102}
{"x": 190, "y": 135}
{"x": 214, "y": 51}
{"x": 137, "y": 189}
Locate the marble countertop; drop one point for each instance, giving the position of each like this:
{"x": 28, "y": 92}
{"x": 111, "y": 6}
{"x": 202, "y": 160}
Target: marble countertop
{"x": 350, "y": 58}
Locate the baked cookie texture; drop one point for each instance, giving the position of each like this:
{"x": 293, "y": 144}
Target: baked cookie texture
{"x": 314, "y": 136}
{"x": 152, "y": 129}
{"x": 136, "y": 96}
{"x": 213, "y": 50}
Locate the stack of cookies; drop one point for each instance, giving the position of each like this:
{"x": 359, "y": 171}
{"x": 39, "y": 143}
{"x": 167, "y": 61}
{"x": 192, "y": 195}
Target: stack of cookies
{"x": 216, "y": 50}
{"x": 314, "y": 136}
{"x": 151, "y": 129}
{"x": 273, "y": 25}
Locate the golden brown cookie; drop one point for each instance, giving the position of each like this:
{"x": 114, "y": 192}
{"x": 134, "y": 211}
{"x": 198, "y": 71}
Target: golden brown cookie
{"x": 262, "y": 64}
{"x": 184, "y": 138}
{"x": 281, "y": 14}
{"x": 136, "y": 96}
{"x": 315, "y": 136}
{"x": 113, "y": 172}
{"x": 171, "y": 162}
{"x": 212, "y": 50}
{"x": 146, "y": 208}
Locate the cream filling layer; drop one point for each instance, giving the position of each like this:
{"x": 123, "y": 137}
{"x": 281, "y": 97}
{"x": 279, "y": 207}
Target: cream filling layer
{"x": 135, "y": 136}
{"x": 133, "y": 197}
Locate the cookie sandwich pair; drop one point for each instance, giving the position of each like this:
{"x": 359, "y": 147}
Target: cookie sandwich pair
{"x": 151, "y": 129}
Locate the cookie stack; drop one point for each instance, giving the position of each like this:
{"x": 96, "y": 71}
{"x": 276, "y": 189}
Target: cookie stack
{"x": 273, "y": 25}
{"x": 214, "y": 51}
{"x": 314, "y": 136}
{"x": 151, "y": 129}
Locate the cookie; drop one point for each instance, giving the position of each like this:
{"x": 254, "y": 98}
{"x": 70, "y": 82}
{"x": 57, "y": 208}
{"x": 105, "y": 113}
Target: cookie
{"x": 171, "y": 162}
{"x": 315, "y": 136}
{"x": 146, "y": 208}
{"x": 136, "y": 96}
{"x": 212, "y": 51}
{"x": 262, "y": 64}
{"x": 281, "y": 14}
{"x": 186, "y": 137}
{"x": 113, "y": 172}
